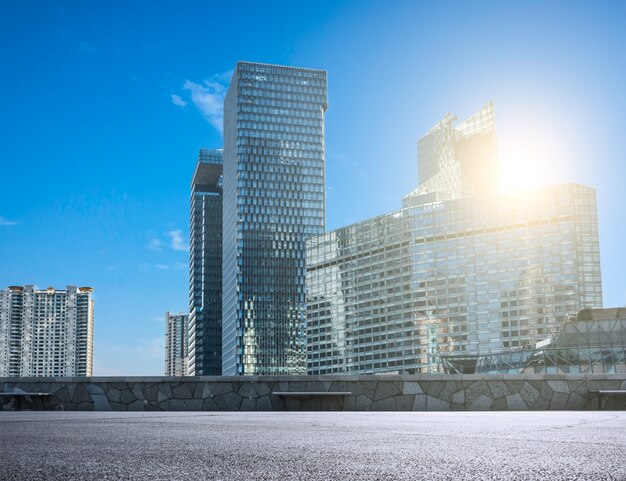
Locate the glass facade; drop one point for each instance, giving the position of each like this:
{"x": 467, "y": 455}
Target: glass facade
{"x": 473, "y": 275}
{"x": 459, "y": 269}
{"x": 273, "y": 202}
{"x": 205, "y": 266}
{"x": 46, "y": 333}
{"x": 592, "y": 342}
{"x": 459, "y": 161}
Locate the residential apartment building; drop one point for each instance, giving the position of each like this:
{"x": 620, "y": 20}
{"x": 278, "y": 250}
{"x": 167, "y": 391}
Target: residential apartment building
{"x": 47, "y": 332}
{"x": 176, "y": 344}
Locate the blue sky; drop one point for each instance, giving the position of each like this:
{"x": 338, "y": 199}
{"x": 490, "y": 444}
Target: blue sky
{"x": 105, "y": 105}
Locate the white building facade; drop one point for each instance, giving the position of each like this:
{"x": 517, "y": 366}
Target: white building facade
{"x": 46, "y": 333}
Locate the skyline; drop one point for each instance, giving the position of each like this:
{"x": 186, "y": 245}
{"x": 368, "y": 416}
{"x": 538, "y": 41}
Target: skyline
{"x": 133, "y": 229}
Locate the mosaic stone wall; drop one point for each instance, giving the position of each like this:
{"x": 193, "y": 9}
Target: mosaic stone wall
{"x": 367, "y": 393}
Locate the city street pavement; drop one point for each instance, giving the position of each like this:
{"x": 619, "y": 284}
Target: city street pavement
{"x": 313, "y": 445}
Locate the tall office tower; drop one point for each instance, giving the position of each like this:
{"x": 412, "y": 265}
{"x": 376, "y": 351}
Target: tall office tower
{"x": 467, "y": 276}
{"x": 461, "y": 161}
{"x": 273, "y": 202}
{"x": 46, "y": 333}
{"x": 205, "y": 266}
{"x": 176, "y": 344}
{"x": 460, "y": 269}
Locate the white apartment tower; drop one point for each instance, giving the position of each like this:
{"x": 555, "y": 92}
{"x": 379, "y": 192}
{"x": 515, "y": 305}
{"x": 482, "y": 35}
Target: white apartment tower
{"x": 46, "y": 333}
{"x": 176, "y": 344}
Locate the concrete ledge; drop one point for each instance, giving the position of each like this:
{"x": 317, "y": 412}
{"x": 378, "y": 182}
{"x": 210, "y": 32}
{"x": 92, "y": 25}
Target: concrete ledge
{"x": 426, "y": 392}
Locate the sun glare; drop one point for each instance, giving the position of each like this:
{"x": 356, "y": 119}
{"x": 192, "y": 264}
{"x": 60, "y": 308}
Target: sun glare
{"x": 526, "y": 160}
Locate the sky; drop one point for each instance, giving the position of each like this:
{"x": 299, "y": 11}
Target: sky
{"x": 104, "y": 106}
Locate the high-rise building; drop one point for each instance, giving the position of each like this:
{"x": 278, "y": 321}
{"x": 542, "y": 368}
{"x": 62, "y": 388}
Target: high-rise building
{"x": 459, "y": 161}
{"x": 176, "y": 344}
{"x": 460, "y": 269}
{"x": 205, "y": 266}
{"x": 46, "y": 333}
{"x": 273, "y": 202}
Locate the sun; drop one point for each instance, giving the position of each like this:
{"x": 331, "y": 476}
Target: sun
{"x": 526, "y": 160}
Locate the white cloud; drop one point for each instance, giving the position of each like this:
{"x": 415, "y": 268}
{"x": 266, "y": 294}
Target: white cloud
{"x": 155, "y": 244}
{"x": 162, "y": 267}
{"x": 208, "y": 97}
{"x": 176, "y": 237}
{"x": 6, "y": 222}
{"x": 177, "y": 100}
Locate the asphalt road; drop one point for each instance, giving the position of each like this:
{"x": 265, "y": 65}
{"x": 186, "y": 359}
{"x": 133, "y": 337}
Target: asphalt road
{"x": 320, "y": 446}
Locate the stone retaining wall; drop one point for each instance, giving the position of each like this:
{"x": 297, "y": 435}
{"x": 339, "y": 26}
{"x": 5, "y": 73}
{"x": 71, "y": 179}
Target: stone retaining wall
{"x": 368, "y": 393}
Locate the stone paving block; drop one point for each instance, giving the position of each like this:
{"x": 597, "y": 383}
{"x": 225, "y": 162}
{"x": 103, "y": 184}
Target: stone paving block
{"x": 330, "y": 403}
{"x": 498, "y": 389}
{"x": 312, "y": 404}
{"x": 385, "y": 390}
{"x": 514, "y": 386}
{"x": 559, "y": 386}
{"x": 339, "y": 386}
{"x": 261, "y": 388}
{"x": 151, "y": 392}
{"x": 515, "y": 402}
{"x": 363, "y": 403}
{"x": 264, "y": 403}
{"x": 385, "y": 404}
{"x": 220, "y": 388}
{"x": 404, "y": 402}
{"x": 137, "y": 391}
{"x": 138, "y": 405}
{"x": 499, "y": 404}
{"x": 293, "y": 404}
{"x": 529, "y": 394}
{"x": 182, "y": 391}
{"x": 419, "y": 403}
{"x": 411, "y": 387}
{"x": 229, "y": 401}
{"x": 436, "y": 404}
{"x": 559, "y": 400}
{"x": 84, "y": 406}
{"x": 481, "y": 403}
{"x": 209, "y": 404}
{"x": 434, "y": 388}
{"x": 248, "y": 404}
{"x": 458, "y": 397}
{"x": 349, "y": 403}
{"x": 449, "y": 388}
{"x": 71, "y": 389}
{"x": 541, "y": 404}
{"x": 194, "y": 404}
{"x": 310, "y": 386}
{"x": 62, "y": 394}
{"x": 576, "y": 401}
{"x": 81, "y": 395}
{"x": 118, "y": 406}
{"x": 247, "y": 391}
{"x": 127, "y": 396}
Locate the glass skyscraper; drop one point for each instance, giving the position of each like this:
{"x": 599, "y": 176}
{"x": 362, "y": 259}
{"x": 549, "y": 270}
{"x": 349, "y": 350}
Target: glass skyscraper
{"x": 273, "y": 202}
{"x": 460, "y": 269}
{"x": 205, "y": 266}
